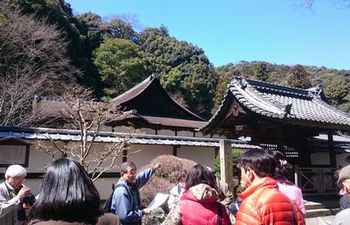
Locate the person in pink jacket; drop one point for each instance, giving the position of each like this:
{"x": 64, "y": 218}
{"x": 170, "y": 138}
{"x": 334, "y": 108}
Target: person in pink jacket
{"x": 283, "y": 173}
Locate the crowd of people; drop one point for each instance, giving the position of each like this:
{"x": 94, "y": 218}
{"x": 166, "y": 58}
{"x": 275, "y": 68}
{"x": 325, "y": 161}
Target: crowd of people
{"x": 68, "y": 196}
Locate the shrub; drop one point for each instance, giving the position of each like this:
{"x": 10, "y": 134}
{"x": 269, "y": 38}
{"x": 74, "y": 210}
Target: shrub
{"x": 166, "y": 176}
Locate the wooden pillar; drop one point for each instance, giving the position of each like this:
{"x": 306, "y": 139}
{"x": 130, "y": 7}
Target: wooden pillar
{"x": 226, "y": 162}
{"x": 296, "y": 175}
{"x": 333, "y": 160}
{"x": 125, "y": 155}
{"x": 175, "y": 147}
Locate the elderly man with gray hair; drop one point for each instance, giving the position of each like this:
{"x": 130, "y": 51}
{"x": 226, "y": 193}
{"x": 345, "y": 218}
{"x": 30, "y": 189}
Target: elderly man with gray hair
{"x": 12, "y": 193}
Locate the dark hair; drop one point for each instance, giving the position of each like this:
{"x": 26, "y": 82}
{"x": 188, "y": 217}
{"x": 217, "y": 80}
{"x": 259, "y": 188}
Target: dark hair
{"x": 125, "y": 165}
{"x": 284, "y": 170}
{"x": 277, "y": 155}
{"x": 199, "y": 174}
{"x": 68, "y": 194}
{"x": 261, "y": 161}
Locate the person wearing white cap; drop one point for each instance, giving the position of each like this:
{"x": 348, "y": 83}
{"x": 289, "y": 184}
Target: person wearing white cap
{"x": 12, "y": 193}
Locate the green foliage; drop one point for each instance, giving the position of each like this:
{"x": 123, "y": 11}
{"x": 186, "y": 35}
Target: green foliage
{"x": 336, "y": 87}
{"x": 225, "y": 74}
{"x": 184, "y": 69}
{"x": 299, "y": 77}
{"x": 261, "y": 71}
{"x": 90, "y": 26}
{"x": 121, "y": 64}
{"x": 236, "y": 156}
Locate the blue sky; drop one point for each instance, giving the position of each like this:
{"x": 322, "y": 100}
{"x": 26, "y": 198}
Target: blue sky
{"x": 275, "y": 31}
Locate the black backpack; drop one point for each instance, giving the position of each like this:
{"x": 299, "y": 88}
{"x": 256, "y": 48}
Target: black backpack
{"x": 108, "y": 204}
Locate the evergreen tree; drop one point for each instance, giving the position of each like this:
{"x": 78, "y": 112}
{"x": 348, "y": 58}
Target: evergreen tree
{"x": 121, "y": 64}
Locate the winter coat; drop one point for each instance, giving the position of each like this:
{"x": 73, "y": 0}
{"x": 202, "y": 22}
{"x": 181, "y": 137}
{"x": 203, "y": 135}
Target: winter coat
{"x": 9, "y": 206}
{"x": 292, "y": 192}
{"x": 198, "y": 206}
{"x": 263, "y": 204}
{"x": 126, "y": 200}
{"x": 106, "y": 219}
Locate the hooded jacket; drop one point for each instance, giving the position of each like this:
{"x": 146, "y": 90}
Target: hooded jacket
{"x": 198, "y": 206}
{"x": 263, "y": 204}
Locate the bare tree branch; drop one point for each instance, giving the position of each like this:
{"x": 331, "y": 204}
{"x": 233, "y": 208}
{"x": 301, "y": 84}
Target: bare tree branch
{"x": 32, "y": 61}
{"x": 88, "y": 117}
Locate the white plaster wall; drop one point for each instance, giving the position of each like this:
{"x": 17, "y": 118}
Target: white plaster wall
{"x": 143, "y": 154}
{"x": 202, "y": 155}
{"x": 38, "y": 161}
{"x": 104, "y": 186}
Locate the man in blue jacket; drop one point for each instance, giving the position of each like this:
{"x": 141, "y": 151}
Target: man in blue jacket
{"x": 126, "y": 200}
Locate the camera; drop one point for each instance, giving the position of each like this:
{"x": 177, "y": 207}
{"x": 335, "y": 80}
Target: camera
{"x": 29, "y": 199}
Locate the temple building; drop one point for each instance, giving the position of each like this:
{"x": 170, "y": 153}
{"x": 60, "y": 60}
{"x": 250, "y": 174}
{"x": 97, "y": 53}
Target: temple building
{"x": 287, "y": 119}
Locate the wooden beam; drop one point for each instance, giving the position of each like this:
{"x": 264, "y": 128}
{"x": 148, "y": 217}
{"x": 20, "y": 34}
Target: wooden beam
{"x": 226, "y": 162}
{"x": 175, "y": 147}
{"x": 333, "y": 160}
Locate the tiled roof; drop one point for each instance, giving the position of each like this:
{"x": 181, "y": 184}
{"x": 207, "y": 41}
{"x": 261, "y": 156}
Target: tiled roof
{"x": 149, "y": 98}
{"x": 172, "y": 122}
{"x": 303, "y": 107}
{"x": 113, "y": 137}
{"x": 146, "y": 105}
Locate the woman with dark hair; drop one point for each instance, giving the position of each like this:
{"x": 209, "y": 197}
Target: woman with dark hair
{"x": 283, "y": 176}
{"x": 68, "y": 196}
{"x": 199, "y": 203}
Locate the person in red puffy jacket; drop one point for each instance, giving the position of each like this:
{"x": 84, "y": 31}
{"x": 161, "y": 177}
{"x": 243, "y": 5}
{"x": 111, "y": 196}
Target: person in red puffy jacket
{"x": 262, "y": 202}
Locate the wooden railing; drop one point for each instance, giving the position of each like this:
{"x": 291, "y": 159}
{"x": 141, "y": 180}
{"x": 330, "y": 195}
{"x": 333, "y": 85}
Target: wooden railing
{"x": 312, "y": 180}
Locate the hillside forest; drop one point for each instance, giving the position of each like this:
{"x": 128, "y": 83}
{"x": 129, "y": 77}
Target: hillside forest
{"x": 45, "y": 48}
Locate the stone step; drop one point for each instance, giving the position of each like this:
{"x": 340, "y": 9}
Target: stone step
{"x": 321, "y": 205}
{"x": 320, "y": 212}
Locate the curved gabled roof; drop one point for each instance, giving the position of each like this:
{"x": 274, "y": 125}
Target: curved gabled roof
{"x": 303, "y": 107}
{"x": 149, "y": 98}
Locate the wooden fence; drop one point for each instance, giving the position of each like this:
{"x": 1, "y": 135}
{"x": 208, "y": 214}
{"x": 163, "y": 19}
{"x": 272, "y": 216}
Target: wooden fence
{"x": 316, "y": 180}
